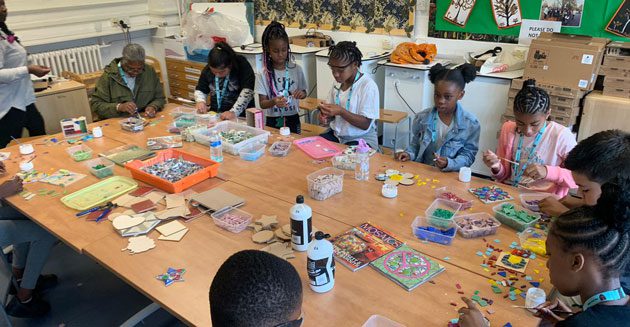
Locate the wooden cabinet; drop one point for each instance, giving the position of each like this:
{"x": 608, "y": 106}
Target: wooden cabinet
{"x": 183, "y": 76}
{"x": 66, "y": 99}
{"x": 602, "y": 113}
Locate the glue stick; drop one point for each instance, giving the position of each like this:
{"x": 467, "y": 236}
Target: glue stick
{"x": 301, "y": 224}
{"x": 320, "y": 264}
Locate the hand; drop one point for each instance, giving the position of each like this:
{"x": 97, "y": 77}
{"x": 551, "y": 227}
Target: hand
{"x": 330, "y": 110}
{"x": 128, "y": 107}
{"x": 228, "y": 115}
{"x": 440, "y": 162}
{"x": 150, "y": 112}
{"x": 10, "y": 187}
{"x": 536, "y": 172}
{"x": 545, "y": 312}
{"x": 280, "y": 102}
{"x": 552, "y": 207}
{"x": 471, "y": 316}
{"x": 492, "y": 161}
{"x": 38, "y": 70}
{"x": 299, "y": 94}
{"x": 323, "y": 119}
{"x": 402, "y": 156}
{"x": 202, "y": 108}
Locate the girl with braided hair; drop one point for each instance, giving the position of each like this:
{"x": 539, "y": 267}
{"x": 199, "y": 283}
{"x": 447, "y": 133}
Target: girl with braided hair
{"x": 589, "y": 251}
{"x": 281, "y": 83}
{"x": 352, "y": 106}
{"x": 531, "y": 150}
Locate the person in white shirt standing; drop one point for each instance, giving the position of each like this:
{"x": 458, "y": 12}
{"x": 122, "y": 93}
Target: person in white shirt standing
{"x": 17, "y": 97}
{"x": 352, "y": 107}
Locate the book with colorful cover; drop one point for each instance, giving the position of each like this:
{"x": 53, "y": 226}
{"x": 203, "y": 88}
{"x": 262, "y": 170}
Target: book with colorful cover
{"x": 359, "y": 246}
{"x": 407, "y": 267}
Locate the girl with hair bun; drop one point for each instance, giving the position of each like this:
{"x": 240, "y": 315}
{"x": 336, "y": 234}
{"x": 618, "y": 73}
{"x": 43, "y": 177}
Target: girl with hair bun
{"x": 531, "y": 150}
{"x": 446, "y": 135}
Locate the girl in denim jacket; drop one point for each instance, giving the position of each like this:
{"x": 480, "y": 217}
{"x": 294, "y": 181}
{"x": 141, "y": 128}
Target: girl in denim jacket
{"x": 446, "y": 136}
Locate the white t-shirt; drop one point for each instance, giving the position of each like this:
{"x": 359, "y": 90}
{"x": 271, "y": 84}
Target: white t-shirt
{"x": 364, "y": 102}
{"x": 296, "y": 82}
{"x": 443, "y": 130}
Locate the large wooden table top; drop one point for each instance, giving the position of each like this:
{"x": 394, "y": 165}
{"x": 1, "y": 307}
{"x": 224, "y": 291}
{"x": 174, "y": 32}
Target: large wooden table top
{"x": 355, "y": 297}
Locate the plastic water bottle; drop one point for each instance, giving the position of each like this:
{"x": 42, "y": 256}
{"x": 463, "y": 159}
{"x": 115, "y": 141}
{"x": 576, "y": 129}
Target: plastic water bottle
{"x": 320, "y": 264}
{"x": 216, "y": 147}
{"x": 301, "y": 224}
{"x": 362, "y": 162}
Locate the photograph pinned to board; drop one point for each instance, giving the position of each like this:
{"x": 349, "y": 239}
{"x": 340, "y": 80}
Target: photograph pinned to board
{"x": 459, "y": 11}
{"x": 620, "y": 22}
{"x": 567, "y": 12}
{"x": 507, "y": 13}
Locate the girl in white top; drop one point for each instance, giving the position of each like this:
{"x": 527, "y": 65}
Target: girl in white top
{"x": 17, "y": 98}
{"x": 352, "y": 106}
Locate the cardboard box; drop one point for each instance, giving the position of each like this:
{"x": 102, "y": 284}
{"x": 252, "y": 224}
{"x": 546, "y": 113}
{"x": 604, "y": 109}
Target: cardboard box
{"x": 614, "y": 71}
{"x": 565, "y": 121}
{"x": 618, "y": 93}
{"x": 310, "y": 41}
{"x": 617, "y": 61}
{"x": 517, "y": 84}
{"x": 561, "y": 111}
{"x": 617, "y": 82}
{"x": 565, "y": 60}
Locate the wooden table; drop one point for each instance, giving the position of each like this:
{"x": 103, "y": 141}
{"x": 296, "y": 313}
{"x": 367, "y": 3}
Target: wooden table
{"x": 269, "y": 186}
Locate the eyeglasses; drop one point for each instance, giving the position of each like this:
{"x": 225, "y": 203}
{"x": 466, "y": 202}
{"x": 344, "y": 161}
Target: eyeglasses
{"x": 131, "y": 69}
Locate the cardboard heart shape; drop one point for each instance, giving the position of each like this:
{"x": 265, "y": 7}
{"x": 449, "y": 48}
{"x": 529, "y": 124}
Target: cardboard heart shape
{"x": 124, "y": 221}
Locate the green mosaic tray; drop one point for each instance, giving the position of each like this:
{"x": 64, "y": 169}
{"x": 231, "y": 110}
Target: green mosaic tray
{"x": 99, "y": 193}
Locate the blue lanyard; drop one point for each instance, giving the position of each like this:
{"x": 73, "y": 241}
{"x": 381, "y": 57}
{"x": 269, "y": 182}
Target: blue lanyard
{"x": 434, "y": 131}
{"x": 517, "y": 157}
{"x": 608, "y": 296}
{"x": 337, "y": 98}
{"x": 220, "y": 92}
{"x": 285, "y": 92}
{"x": 123, "y": 77}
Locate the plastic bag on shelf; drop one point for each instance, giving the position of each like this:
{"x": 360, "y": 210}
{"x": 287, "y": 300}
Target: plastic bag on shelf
{"x": 203, "y": 30}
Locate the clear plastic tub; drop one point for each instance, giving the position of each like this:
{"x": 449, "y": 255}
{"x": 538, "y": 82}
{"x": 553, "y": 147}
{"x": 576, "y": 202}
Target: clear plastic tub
{"x": 530, "y": 200}
{"x": 202, "y": 136}
{"x": 325, "y": 183}
{"x": 185, "y": 121}
{"x": 132, "y": 124}
{"x": 182, "y": 110}
{"x": 343, "y": 162}
{"x": 280, "y": 149}
{"x": 232, "y": 219}
{"x": 441, "y": 205}
{"x": 445, "y": 193}
{"x": 424, "y": 230}
{"x": 533, "y": 239}
{"x": 252, "y": 152}
{"x": 516, "y": 224}
{"x": 80, "y": 152}
{"x": 100, "y": 167}
{"x": 476, "y": 225}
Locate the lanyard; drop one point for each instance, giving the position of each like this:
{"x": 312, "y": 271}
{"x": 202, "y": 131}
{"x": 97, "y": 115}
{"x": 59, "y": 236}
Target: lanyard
{"x": 434, "y": 131}
{"x": 220, "y": 92}
{"x": 285, "y": 92}
{"x": 124, "y": 79}
{"x": 337, "y": 98}
{"x": 614, "y": 295}
{"x": 518, "y": 174}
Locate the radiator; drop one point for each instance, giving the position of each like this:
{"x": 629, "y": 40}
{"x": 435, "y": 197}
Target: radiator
{"x": 80, "y": 60}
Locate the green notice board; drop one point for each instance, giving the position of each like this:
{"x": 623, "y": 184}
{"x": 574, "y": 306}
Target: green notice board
{"x": 595, "y": 17}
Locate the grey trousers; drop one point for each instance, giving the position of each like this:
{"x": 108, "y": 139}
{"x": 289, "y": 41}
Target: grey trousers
{"x": 31, "y": 244}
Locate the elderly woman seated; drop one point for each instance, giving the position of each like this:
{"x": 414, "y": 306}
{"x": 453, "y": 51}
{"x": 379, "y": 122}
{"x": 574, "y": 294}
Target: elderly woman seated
{"x": 128, "y": 86}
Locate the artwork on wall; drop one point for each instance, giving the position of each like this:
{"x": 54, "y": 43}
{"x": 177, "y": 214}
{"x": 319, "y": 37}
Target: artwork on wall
{"x": 394, "y": 17}
{"x": 459, "y": 11}
{"x": 620, "y": 22}
{"x": 507, "y": 13}
{"x": 567, "y": 12}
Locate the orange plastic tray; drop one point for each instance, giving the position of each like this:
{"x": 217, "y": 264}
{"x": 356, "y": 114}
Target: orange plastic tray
{"x": 211, "y": 169}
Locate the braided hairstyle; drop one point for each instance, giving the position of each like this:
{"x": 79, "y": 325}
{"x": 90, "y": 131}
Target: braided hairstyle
{"x": 461, "y": 75}
{"x": 5, "y": 29}
{"x": 273, "y": 31}
{"x": 346, "y": 51}
{"x": 531, "y": 100}
{"x": 603, "y": 229}
{"x": 222, "y": 55}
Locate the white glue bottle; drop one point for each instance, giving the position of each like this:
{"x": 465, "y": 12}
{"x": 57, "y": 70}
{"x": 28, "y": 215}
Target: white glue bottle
{"x": 301, "y": 225}
{"x": 320, "y": 264}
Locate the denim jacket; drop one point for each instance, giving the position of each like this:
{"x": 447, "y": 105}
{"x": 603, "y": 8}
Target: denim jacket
{"x": 460, "y": 145}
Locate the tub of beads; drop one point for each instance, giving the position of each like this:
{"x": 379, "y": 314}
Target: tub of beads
{"x": 279, "y": 149}
{"x": 441, "y": 212}
{"x": 515, "y": 216}
{"x": 531, "y": 201}
{"x": 476, "y": 225}
{"x": 446, "y": 194}
{"x": 100, "y": 167}
{"x": 533, "y": 239}
{"x": 424, "y": 230}
{"x": 325, "y": 183}
{"x": 80, "y": 152}
{"x": 232, "y": 219}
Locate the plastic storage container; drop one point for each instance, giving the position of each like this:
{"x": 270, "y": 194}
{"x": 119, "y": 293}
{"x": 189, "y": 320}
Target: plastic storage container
{"x": 439, "y": 204}
{"x": 530, "y": 200}
{"x": 476, "y": 225}
{"x": 106, "y": 170}
{"x": 80, "y": 152}
{"x": 533, "y": 239}
{"x": 202, "y": 136}
{"x": 185, "y": 121}
{"x": 445, "y": 193}
{"x": 325, "y": 183}
{"x": 252, "y": 152}
{"x": 210, "y": 170}
{"x": 232, "y": 219}
{"x": 344, "y": 162}
{"x": 132, "y": 124}
{"x": 279, "y": 149}
{"x": 182, "y": 110}
{"x": 518, "y": 225}
{"x": 423, "y": 229}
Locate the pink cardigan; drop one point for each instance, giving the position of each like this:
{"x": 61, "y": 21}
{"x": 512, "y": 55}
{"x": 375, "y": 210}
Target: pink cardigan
{"x": 556, "y": 144}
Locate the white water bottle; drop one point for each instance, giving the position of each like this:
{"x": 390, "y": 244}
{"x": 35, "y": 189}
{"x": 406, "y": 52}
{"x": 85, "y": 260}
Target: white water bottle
{"x": 320, "y": 264}
{"x": 301, "y": 224}
{"x": 216, "y": 147}
{"x": 362, "y": 162}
